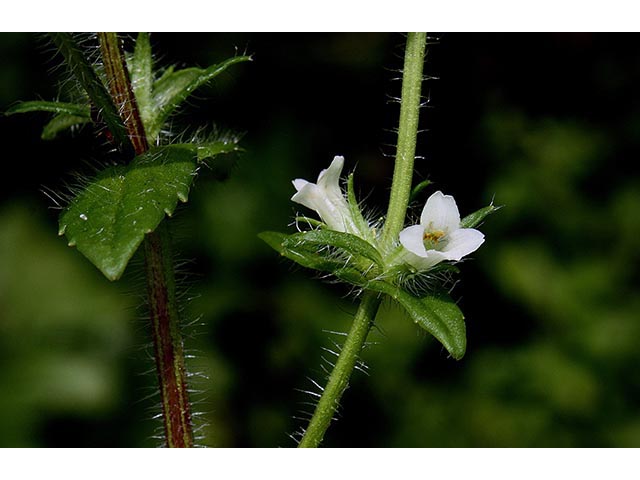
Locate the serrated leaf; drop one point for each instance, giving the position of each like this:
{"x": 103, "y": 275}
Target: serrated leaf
{"x": 174, "y": 87}
{"x": 351, "y": 244}
{"x": 437, "y": 314}
{"x": 107, "y": 221}
{"x": 473, "y": 219}
{"x": 61, "y": 122}
{"x": 74, "y": 109}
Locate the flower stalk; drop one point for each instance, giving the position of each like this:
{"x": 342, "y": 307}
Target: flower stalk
{"x": 165, "y": 320}
{"x": 400, "y": 191}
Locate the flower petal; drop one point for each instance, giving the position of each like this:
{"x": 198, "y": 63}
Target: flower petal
{"x": 299, "y": 184}
{"x": 329, "y": 179}
{"x": 431, "y": 258}
{"x": 440, "y": 213}
{"x": 412, "y": 239}
{"x": 462, "y": 242}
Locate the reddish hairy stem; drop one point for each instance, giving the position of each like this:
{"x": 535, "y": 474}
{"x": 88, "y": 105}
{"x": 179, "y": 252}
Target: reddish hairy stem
{"x": 165, "y": 321}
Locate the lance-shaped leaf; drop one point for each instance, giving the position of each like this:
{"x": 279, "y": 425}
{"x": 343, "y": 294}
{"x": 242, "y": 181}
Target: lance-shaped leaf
{"x": 67, "y": 115}
{"x": 141, "y": 70}
{"x": 350, "y": 244}
{"x": 437, "y": 314}
{"x": 61, "y": 122}
{"x": 303, "y": 254}
{"x": 415, "y": 191}
{"x": 75, "y": 109}
{"x": 83, "y": 71}
{"x": 170, "y": 90}
{"x": 473, "y": 219}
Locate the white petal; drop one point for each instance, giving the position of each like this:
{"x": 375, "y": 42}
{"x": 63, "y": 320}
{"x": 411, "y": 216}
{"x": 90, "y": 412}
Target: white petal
{"x": 299, "y": 183}
{"x": 308, "y": 194}
{"x": 440, "y": 213}
{"x": 462, "y": 242}
{"x": 329, "y": 179}
{"x": 412, "y": 238}
{"x": 431, "y": 258}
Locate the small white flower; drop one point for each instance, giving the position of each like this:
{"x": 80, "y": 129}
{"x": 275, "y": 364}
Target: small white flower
{"x": 439, "y": 236}
{"x": 326, "y": 198}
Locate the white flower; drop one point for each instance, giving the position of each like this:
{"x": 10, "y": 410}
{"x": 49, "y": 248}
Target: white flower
{"x": 439, "y": 236}
{"x": 326, "y": 198}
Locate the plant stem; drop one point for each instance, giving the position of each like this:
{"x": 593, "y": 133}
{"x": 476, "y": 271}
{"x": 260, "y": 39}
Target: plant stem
{"x": 86, "y": 75}
{"x": 339, "y": 378}
{"x": 407, "y": 133}
{"x": 400, "y": 191}
{"x": 121, "y": 89}
{"x": 161, "y": 290}
{"x": 167, "y": 341}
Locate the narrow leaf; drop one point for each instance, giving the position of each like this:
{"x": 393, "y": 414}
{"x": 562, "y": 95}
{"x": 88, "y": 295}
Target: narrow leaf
{"x": 61, "y": 122}
{"x": 307, "y": 256}
{"x": 472, "y": 220}
{"x": 175, "y": 86}
{"x": 74, "y": 109}
{"x": 437, "y": 314}
{"x": 351, "y": 244}
{"x": 419, "y": 188}
{"x": 88, "y": 78}
{"x": 356, "y": 214}
{"x": 107, "y": 221}
{"x": 141, "y": 70}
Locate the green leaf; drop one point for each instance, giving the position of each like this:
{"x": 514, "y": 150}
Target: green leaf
{"x": 307, "y": 255}
{"x": 174, "y": 87}
{"x": 74, "y": 109}
{"x": 107, "y": 221}
{"x": 472, "y": 220}
{"x": 351, "y": 244}
{"x": 77, "y": 62}
{"x": 419, "y": 188}
{"x": 437, "y": 314}
{"x": 141, "y": 70}
{"x": 61, "y": 122}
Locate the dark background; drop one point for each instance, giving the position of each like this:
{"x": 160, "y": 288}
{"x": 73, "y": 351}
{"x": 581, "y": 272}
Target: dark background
{"x": 547, "y": 124}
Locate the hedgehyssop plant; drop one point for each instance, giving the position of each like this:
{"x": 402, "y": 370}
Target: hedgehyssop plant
{"x": 123, "y": 208}
{"x": 383, "y": 259}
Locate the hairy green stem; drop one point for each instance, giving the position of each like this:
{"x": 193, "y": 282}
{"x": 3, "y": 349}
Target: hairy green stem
{"x": 339, "y": 378}
{"x": 400, "y": 191}
{"x": 161, "y": 289}
{"x": 407, "y": 134}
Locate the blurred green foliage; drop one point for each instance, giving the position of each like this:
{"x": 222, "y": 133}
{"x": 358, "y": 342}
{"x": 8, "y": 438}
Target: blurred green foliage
{"x": 552, "y": 298}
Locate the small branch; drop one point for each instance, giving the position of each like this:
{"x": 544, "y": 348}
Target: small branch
{"x": 161, "y": 289}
